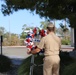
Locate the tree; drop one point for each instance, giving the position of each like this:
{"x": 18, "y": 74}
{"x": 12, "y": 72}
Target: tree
{"x": 64, "y": 29}
{"x": 6, "y": 35}
{"x": 24, "y": 28}
{"x": 58, "y": 9}
{"x": 14, "y": 40}
{"x": 23, "y": 35}
{"x": 2, "y": 30}
{"x": 43, "y": 24}
{"x": 6, "y": 39}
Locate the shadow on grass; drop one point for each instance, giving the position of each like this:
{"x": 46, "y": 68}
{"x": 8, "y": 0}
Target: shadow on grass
{"x": 5, "y": 63}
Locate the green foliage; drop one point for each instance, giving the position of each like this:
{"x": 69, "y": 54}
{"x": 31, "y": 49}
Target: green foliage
{"x": 23, "y": 35}
{"x": 70, "y": 70}
{"x": 2, "y": 30}
{"x": 64, "y": 28}
{"x": 49, "y": 9}
{"x": 21, "y": 43}
{"x": 66, "y": 60}
{"x": 24, "y": 27}
{"x": 44, "y": 24}
{"x": 65, "y": 42}
{"x": 14, "y": 40}
{"x": 11, "y": 40}
{"x": 5, "y": 63}
{"x": 5, "y": 42}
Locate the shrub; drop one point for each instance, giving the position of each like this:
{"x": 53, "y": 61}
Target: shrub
{"x": 66, "y": 60}
{"x": 65, "y": 42}
{"x": 22, "y": 42}
{"x": 70, "y": 69}
{"x": 5, "y": 63}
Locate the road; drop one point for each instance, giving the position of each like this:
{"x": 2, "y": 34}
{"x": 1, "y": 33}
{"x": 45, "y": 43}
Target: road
{"x": 15, "y": 51}
{"x": 20, "y": 51}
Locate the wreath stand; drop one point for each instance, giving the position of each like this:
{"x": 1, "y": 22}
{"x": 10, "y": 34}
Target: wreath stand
{"x": 32, "y": 64}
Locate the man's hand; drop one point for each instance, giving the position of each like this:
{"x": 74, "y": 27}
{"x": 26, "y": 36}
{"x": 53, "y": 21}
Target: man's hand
{"x": 35, "y": 51}
{"x": 28, "y": 51}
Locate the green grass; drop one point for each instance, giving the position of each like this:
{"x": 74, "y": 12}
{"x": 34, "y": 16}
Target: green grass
{"x": 25, "y": 67}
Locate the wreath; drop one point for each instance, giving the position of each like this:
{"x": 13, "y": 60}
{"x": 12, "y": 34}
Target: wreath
{"x": 33, "y": 38}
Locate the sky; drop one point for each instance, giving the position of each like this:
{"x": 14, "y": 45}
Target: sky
{"x": 15, "y": 21}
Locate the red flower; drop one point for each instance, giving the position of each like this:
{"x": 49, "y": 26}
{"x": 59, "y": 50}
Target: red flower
{"x": 35, "y": 30}
{"x": 29, "y": 46}
{"x": 28, "y": 40}
{"x": 42, "y": 33}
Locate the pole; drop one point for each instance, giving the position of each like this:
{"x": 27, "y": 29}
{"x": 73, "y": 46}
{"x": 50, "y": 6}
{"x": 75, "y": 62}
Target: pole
{"x": 74, "y": 39}
{"x": 1, "y": 43}
{"x": 9, "y": 31}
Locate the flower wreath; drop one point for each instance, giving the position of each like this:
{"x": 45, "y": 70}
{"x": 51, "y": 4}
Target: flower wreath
{"x": 31, "y": 38}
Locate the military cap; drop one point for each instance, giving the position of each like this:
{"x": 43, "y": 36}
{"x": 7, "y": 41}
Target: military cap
{"x": 50, "y": 24}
